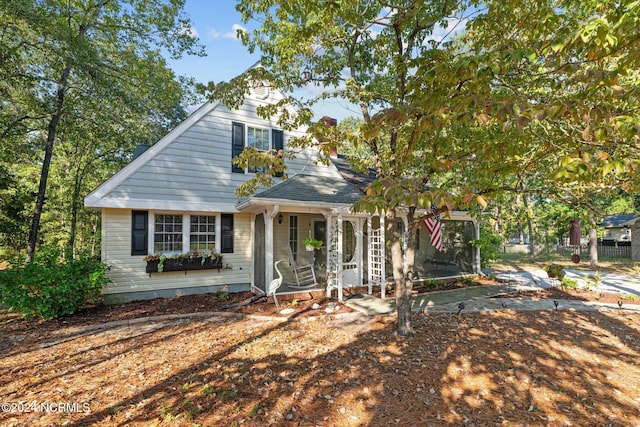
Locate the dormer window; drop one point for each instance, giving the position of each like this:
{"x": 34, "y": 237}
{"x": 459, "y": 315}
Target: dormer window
{"x": 258, "y": 139}
{"x": 261, "y": 139}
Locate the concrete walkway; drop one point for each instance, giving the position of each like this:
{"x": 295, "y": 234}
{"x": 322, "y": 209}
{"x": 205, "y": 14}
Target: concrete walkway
{"x": 479, "y": 298}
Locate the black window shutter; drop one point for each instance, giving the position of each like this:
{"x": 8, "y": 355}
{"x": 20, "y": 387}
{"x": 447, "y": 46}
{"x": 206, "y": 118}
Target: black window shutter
{"x": 227, "y": 233}
{"x": 277, "y": 142}
{"x": 139, "y": 234}
{"x": 237, "y": 144}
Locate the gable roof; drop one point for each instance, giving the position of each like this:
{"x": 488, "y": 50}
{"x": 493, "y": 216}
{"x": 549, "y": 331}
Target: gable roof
{"x": 164, "y": 168}
{"x": 620, "y": 220}
{"x": 313, "y": 188}
{"x": 341, "y": 189}
{"x": 94, "y": 199}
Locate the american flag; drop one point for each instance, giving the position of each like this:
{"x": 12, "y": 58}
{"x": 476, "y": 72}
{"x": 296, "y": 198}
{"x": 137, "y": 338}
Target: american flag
{"x": 434, "y": 226}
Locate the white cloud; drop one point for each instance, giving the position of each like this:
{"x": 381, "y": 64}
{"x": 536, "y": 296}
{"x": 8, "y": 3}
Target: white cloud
{"x": 190, "y": 30}
{"x": 233, "y": 34}
{"x": 213, "y": 33}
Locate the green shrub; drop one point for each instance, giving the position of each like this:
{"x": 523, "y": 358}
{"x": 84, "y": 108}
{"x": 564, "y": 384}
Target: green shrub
{"x": 569, "y": 283}
{"x": 51, "y": 287}
{"x": 432, "y": 284}
{"x": 467, "y": 280}
{"x": 489, "y": 244}
{"x": 555, "y": 270}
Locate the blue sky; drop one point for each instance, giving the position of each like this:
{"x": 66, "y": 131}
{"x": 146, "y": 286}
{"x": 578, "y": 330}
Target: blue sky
{"x": 215, "y": 23}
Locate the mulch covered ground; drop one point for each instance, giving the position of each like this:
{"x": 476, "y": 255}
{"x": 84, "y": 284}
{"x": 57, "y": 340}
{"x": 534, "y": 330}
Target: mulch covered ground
{"x": 311, "y": 367}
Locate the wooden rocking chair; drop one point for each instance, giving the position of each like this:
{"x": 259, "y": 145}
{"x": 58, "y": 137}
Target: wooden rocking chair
{"x": 305, "y": 274}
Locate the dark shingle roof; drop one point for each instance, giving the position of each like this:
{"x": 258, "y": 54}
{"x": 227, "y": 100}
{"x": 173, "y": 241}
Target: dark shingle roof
{"x": 618, "y": 220}
{"x": 345, "y": 187}
{"x": 312, "y": 188}
{"x": 359, "y": 180}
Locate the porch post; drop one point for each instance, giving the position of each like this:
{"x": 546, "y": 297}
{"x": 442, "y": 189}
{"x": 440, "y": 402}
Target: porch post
{"x": 270, "y": 214}
{"x": 359, "y": 250}
{"x": 369, "y": 251}
{"x": 635, "y": 241}
{"x": 383, "y": 285}
{"x": 328, "y": 240}
{"x": 476, "y": 249}
{"x": 339, "y": 258}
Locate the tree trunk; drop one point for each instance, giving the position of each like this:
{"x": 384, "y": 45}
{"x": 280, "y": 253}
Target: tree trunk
{"x": 498, "y": 226}
{"x": 46, "y": 162}
{"x": 75, "y": 199}
{"x": 409, "y": 261}
{"x": 520, "y": 233}
{"x": 593, "y": 241}
{"x": 532, "y": 248}
{"x": 95, "y": 224}
{"x": 402, "y": 286}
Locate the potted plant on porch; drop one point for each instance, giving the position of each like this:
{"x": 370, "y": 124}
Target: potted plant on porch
{"x": 312, "y": 244}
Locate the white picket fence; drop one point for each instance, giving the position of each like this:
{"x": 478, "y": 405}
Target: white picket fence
{"x": 604, "y": 251}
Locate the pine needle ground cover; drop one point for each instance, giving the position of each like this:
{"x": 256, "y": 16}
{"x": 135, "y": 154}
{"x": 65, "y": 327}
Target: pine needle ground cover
{"x": 495, "y": 368}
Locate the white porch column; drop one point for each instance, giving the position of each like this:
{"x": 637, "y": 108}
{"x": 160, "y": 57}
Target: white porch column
{"x": 369, "y": 258}
{"x": 383, "y": 285}
{"x": 270, "y": 214}
{"x": 328, "y": 239}
{"x": 476, "y": 249}
{"x": 359, "y": 250}
{"x": 339, "y": 258}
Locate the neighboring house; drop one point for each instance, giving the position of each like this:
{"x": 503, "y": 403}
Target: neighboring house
{"x": 178, "y": 196}
{"x": 617, "y": 228}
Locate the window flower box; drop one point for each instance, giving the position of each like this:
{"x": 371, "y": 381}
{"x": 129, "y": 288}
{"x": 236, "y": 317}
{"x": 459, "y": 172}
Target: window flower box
{"x": 160, "y": 264}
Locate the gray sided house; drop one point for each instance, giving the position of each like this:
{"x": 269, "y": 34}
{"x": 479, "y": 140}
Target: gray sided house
{"x": 617, "y": 228}
{"x": 178, "y": 197}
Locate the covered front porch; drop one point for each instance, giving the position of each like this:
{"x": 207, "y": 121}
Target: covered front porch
{"x": 351, "y": 254}
{"x": 353, "y": 251}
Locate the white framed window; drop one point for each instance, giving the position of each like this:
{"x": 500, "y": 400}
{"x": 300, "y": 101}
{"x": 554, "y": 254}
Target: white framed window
{"x": 202, "y": 235}
{"x": 184, "y": 232}
{"x": 258, "y": 138}
{"x": 262, "y": 139}
{"x": 167, "y": 233}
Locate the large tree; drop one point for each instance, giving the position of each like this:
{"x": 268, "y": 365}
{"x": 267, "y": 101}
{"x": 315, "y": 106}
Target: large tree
{"x": 564, "y": 93}
{"x": 500, "y": 96}
{"x": 368, "y": 54}
{"x": 56, "y": 50}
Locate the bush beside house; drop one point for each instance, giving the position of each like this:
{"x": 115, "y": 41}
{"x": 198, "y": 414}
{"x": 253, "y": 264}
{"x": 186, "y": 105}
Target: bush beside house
{"x": 50, "y": 286}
